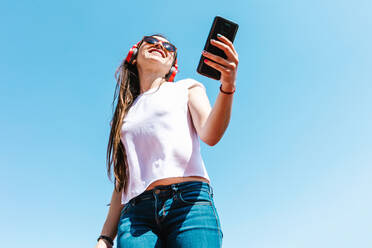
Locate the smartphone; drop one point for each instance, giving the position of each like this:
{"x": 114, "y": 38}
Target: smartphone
{"x": 220, "y": 26}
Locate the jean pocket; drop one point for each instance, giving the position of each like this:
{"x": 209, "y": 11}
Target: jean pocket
{"x": 196, "y": 197}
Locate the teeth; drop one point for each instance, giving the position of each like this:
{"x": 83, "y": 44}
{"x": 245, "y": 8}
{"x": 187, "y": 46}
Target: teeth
{"x": 157, "y": 52}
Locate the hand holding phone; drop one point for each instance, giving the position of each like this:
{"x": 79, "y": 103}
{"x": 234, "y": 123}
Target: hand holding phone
{"x": 220, "y": 56}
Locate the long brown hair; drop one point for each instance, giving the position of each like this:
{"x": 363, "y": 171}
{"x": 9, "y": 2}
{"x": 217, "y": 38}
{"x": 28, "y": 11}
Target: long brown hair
{"x": 126, "y": 91}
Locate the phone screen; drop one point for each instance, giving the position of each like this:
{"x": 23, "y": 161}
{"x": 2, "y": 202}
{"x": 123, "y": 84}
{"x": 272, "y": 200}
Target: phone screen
{"x": 220, "y": 26}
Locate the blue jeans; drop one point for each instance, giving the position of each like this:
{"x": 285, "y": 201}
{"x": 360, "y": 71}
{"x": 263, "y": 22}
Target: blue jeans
{"x": 177, "y": 215}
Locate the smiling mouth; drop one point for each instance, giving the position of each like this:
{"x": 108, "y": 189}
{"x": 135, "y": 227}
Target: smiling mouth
{"x": 157, "y": 50}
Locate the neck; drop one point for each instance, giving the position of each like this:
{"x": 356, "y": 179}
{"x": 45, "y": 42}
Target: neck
{"x": 150, "y": 80}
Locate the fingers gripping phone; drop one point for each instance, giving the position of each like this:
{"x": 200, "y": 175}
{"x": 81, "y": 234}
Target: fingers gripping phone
{"x": 220, "y": 26}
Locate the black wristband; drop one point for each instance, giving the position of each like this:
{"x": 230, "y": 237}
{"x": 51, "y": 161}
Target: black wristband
{"x": 107, "y": 238}
{"x": 225, "y": 92}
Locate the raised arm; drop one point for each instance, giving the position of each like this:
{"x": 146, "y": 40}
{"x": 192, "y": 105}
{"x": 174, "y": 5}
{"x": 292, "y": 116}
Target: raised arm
{"x": 212, "y": 123}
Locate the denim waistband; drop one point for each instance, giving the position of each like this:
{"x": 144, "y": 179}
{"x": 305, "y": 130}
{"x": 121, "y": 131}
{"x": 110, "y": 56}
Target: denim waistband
{"x": 173, "y": 188}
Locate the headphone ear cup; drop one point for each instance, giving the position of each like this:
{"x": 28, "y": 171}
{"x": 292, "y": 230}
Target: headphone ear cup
{"x": 132, "y": 54}
{"x": 172, "y": 73}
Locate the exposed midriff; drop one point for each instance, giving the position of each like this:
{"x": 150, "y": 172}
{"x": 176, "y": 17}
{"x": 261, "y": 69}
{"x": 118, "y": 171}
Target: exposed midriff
{"x": 172, "y": 180}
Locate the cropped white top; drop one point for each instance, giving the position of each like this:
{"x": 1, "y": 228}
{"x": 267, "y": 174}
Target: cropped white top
{"x": 160, "y": 138}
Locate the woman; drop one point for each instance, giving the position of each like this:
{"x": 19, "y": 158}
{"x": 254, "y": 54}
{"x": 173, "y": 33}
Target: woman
{"x": 162, "y": 195}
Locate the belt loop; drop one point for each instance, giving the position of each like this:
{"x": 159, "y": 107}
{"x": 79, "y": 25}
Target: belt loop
{"x": 174, "y": 188}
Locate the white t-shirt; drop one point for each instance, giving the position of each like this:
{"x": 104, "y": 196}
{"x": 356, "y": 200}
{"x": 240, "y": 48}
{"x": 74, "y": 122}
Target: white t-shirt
{"x": 160, "y": 138}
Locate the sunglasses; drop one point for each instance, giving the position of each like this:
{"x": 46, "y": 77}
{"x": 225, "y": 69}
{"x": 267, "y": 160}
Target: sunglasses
{"x": 165, "y": 44}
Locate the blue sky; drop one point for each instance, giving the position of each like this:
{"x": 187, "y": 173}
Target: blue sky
{"x": 293, "y": 168}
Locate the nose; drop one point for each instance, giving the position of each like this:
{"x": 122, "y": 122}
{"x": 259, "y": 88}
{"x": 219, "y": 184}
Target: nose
{"x": 159, "y": 44}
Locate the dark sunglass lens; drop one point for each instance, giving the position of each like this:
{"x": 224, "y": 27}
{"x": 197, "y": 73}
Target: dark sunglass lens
{"x": 169, "y": 47}
{"x": 150, "y": 40}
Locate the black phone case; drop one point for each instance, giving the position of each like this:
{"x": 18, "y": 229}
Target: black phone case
{"x": 220, "y": 26}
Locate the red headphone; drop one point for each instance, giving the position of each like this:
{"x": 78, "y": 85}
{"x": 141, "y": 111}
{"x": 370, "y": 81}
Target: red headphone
{"x": 132, "y": 55}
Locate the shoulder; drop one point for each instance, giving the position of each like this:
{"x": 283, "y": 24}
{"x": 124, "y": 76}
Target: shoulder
{"x": 189, "y": 83}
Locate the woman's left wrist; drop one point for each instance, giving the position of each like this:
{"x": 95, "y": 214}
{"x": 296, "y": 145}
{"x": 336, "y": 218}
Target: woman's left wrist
{"x": 228, "y": 87}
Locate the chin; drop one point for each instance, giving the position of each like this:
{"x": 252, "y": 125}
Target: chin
{"x": 152, "y": 60}
{"x": 157, "y": 60}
